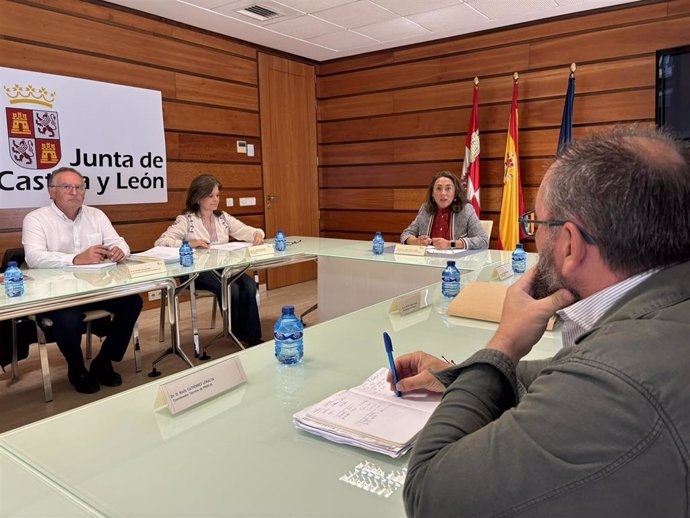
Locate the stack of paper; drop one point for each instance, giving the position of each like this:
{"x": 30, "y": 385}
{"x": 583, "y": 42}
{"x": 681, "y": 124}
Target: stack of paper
{"x": 90, "y": 267}
{"x": 454, "y": 252}
{"x": 167, "y": 254}
{"x": 370, "y": 416}
{"x": 233, "y": 245}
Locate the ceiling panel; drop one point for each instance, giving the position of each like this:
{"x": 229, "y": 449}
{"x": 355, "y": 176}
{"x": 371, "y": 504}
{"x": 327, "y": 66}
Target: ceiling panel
{"x": 375, "y": 24}
{"x": 391, "y": 30}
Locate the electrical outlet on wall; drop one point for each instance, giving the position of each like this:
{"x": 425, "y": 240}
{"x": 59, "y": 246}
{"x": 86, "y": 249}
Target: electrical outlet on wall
{"x": 155, "y": 295}
{"x": 229, "y": 202}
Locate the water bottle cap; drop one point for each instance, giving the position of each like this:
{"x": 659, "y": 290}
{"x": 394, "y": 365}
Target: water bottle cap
{"x": 378, "y": 233}
{"x": 288, "y": 310}
{"x": 519, "y": 245}
{"x": 451, "y": 263}
{"x": 185, "y": 242}
{"x": 11, "y": 264}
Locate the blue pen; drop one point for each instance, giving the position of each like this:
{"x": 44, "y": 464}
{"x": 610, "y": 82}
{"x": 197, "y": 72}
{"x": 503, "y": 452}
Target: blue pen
{"x": 389, "y": 351}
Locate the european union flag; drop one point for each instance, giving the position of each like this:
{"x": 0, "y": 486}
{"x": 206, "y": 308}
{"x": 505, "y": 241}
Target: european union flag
{"x": 565, "y": 137}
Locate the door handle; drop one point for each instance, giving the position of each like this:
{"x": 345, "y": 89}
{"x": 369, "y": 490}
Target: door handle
{"x": 271, "y": 197}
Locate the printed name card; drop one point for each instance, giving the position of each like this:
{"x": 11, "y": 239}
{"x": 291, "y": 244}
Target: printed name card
{"x": 411, "y": 302}
{"x": 504, "y": 271}
{"x": 145, "y": 268}
{"x": 410, "y": 249}
{"x": 200, "y": 385}
{"x": 256, "y": 250}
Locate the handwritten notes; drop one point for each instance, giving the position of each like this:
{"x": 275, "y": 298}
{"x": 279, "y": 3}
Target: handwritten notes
{"x": 370, "y": 416}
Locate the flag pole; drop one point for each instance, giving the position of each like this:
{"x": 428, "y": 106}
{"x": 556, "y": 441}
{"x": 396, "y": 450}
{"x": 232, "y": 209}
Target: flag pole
{"x": 573, "y": 68}
{"x": 476, "y": 81}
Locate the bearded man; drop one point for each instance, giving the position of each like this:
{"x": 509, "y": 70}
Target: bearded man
{"x": 603, "y": 428}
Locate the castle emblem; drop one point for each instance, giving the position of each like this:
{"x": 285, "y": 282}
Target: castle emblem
{"x": 33, "y": 133}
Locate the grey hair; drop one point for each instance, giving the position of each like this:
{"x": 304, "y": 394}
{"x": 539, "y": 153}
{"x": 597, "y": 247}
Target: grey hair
{"x": 630, "y": 190}
{"x": 63, "y": 170}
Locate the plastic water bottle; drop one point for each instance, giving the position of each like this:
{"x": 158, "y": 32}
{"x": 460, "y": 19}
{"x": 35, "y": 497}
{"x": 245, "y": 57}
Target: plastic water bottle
{"x": 288, "y": 333}
{"x": 378, "y": 244}
{"x": 450, "y": 280}
{"x": 280, "y": 243}
{"x": 186, "y": 254}
{"x": 14, "y": 280}
{"x": 519, "y": 259}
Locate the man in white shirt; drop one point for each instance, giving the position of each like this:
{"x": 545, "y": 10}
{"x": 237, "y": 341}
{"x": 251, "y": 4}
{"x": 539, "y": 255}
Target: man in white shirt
{"x": 68, "y": 232}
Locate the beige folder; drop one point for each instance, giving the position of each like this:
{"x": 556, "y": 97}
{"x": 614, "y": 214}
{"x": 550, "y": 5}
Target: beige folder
{"x": 479, "y": 300}
{"x": 483, "y": 301}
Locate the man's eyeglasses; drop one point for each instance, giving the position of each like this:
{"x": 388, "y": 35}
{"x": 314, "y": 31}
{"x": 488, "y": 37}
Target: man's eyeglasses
{"x": 529, "y": 223}
{"x": 67, "y": 188}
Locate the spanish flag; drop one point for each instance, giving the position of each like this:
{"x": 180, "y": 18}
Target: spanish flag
{"x": 512, "y": 205}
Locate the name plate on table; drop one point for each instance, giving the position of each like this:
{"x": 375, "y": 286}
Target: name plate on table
{"x": 200, "y": 385}
{"x": 410, "y": 249}
{"x": 504, "y": 271}
{"x": 144, "y": 268}
{"x": 256, "y": 250}
{"x": 411, "y": 302}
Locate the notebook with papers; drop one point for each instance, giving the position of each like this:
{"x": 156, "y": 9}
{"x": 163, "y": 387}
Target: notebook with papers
{"x": 370, "y": 416}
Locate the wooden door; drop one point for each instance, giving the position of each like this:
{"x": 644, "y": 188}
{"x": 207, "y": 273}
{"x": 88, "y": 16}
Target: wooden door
{"x": 287, "y": 101}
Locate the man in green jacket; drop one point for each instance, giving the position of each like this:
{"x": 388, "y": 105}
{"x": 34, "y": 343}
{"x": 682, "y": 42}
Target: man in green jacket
{"x": 603, "y": 428}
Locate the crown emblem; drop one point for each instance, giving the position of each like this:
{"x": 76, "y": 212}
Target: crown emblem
{"x": 29, "y": 94}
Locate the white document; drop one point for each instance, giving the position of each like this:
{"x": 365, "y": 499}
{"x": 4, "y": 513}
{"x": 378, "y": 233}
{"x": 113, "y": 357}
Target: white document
{"x": 167, "y": 254}
{"x": 454, "y": 252}
{"x": 90, "y": 267}
{"x": 233, "y": 245}
{"x": 370, "y": 416}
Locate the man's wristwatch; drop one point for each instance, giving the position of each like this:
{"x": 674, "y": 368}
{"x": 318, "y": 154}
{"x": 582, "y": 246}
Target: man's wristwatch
{"x": 452, "y": 244}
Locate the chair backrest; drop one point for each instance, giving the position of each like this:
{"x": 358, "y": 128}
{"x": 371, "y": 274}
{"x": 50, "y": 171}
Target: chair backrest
{"x": 12, "y": 254}
{"x": 487, "y": 225}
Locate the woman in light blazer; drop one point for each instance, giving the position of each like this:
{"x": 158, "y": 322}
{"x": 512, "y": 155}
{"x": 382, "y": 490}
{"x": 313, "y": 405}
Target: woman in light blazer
{"x": 446, "y": 220}
{"x": 203, "y": 224}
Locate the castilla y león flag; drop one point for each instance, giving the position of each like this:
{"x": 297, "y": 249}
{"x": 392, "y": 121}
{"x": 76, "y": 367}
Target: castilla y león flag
{"x": 470, "y": 166}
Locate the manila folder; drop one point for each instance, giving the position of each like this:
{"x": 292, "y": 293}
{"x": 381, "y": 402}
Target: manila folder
{"x": 479, "y": 300}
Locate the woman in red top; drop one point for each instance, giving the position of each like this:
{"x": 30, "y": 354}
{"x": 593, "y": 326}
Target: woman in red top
{"x": 446, "y": 220}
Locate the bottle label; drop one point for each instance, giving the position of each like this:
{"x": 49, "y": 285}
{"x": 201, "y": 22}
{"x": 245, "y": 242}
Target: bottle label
{"x": 292, "y": 336}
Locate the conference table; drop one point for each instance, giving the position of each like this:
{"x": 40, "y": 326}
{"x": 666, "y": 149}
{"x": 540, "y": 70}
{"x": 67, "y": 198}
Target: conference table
{"x": 239, "y": 453}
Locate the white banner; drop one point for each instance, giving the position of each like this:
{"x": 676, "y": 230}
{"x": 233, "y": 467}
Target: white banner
{"x": 111, "y": 134}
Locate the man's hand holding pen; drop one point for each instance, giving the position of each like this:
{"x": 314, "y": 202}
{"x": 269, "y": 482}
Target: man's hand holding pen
{"x": 414, "y": 372}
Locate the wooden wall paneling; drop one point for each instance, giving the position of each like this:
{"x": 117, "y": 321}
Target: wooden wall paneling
{"x": 387, "y": 175}
{"x": 389, "y": 237}
{"x": 91, "y": 36}
{"x": 194, "y": 147}
{"x": 26, "y": 56}
{"x": 366, "y": 221}
{"x": 205, "y": 119}
{"x": 218, "y": 93}
{"x": 382, "y": 199}
{"x": 123, "y": 18}
{"x": 231, "y": 176}
{"x": 483, "y": 62}
{"x": 678, "y": 7}
{"x": 288, "y": 122}
{"x": 610, "y": 44}
{"x": 420, "y": 174}
{"x": 591, "y": 78}
{"x": 594, "y": 108}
